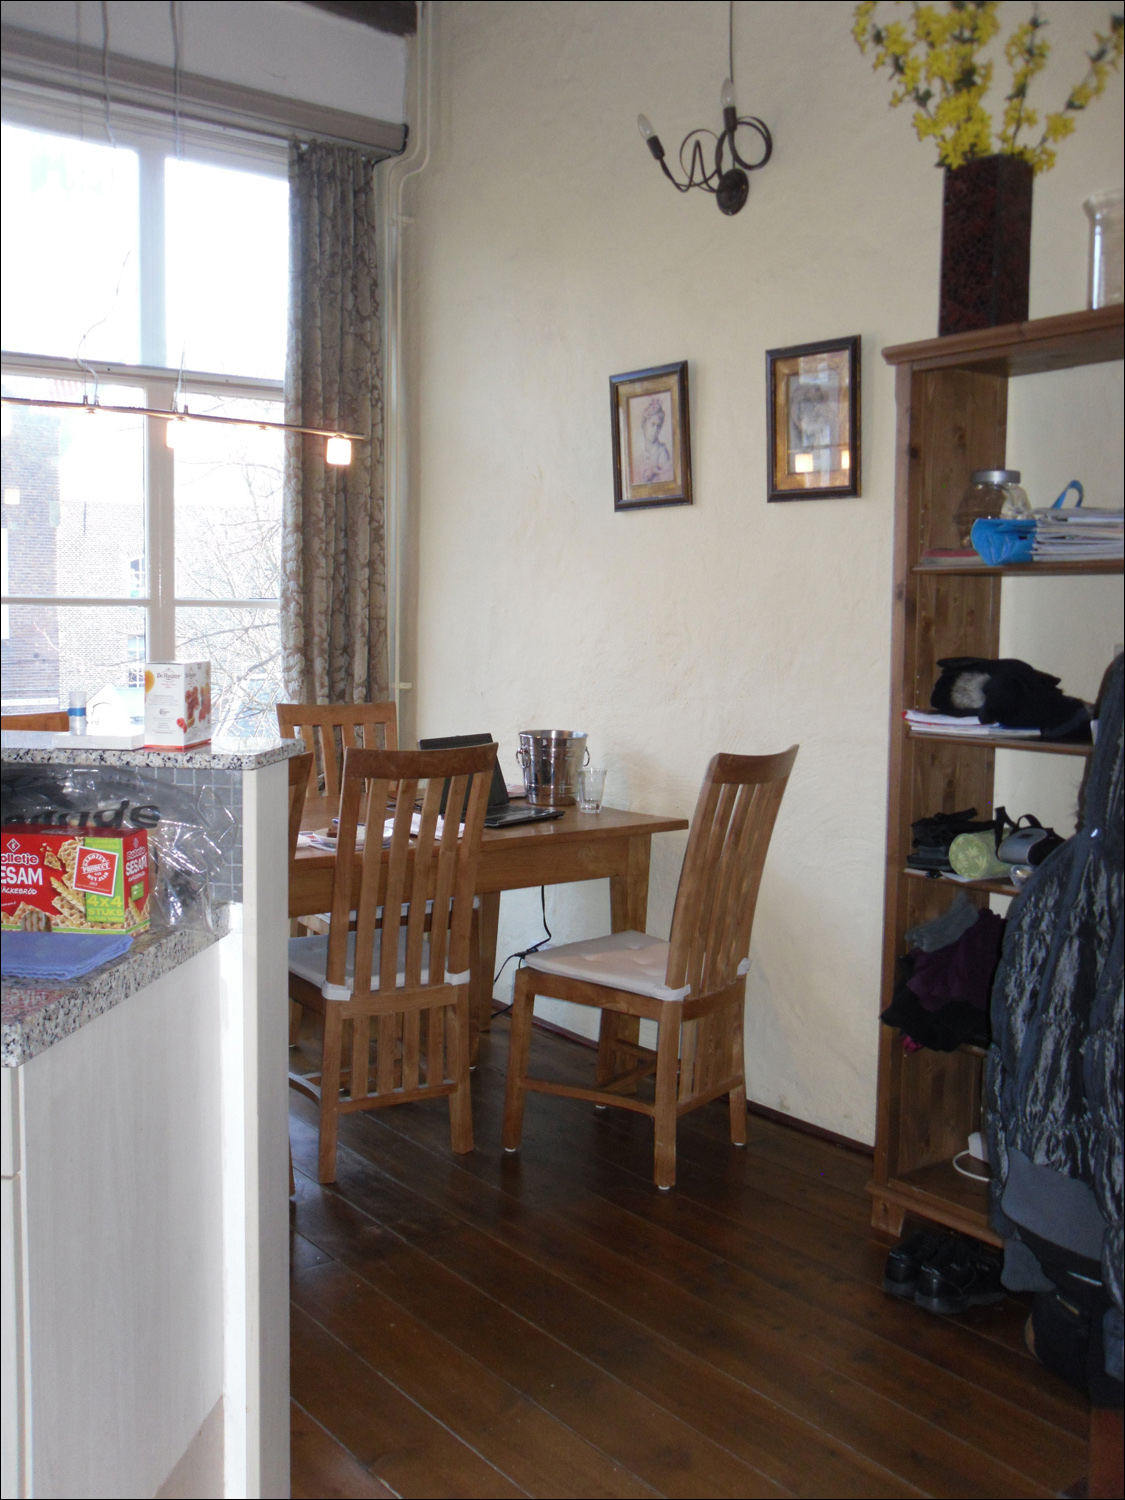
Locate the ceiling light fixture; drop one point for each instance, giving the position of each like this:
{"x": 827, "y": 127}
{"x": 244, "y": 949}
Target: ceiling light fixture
{"x": 338, "y": 449}
{"x": 730, "y": 184}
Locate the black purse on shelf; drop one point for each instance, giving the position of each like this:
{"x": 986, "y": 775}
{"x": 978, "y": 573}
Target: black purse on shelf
{"x": 932, "y": 837}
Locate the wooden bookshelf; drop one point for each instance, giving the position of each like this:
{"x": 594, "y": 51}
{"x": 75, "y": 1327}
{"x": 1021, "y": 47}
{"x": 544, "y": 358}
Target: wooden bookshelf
{"x": 952, "y": 403}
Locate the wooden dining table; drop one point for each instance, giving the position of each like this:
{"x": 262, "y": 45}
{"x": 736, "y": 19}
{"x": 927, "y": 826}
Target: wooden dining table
{"x": 612, "y": 845}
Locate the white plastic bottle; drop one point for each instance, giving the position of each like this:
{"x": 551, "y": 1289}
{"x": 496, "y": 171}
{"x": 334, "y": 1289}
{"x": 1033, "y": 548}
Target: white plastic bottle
{"x": 76, "y": 712}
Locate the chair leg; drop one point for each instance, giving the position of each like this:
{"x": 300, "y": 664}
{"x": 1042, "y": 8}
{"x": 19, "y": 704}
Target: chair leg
{"x": 330, "y": 1093}
{"x": 460, "y": 1102}
{"x": 667, "y": 1071}
{"x": 296, "y": 1016}
{"x": 737, "y": 1095}
{"x": 519, "y": 1050}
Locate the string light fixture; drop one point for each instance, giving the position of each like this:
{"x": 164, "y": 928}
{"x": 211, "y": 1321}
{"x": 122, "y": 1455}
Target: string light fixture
{"x": 337, "y": 450}
{"x": 730, "y": 184}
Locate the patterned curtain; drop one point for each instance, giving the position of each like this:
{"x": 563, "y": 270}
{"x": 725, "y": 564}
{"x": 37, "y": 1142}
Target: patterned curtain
{"x": 333, "y": 578}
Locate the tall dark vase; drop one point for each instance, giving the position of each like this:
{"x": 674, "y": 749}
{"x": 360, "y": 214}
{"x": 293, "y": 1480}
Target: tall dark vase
{"x": 985, "y": 244}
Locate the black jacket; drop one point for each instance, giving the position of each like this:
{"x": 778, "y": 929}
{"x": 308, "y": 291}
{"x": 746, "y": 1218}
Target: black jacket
{"x": 1054, "y": 1081}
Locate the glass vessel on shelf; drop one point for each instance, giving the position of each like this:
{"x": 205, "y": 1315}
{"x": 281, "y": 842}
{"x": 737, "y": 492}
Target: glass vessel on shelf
{"x": 991, "y": 493}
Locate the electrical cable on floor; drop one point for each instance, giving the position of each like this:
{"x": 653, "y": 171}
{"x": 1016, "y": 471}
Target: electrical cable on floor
{"x": 522, "y": 953}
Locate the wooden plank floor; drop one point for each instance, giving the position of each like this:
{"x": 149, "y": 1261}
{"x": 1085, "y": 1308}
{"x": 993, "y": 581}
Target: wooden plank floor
{"x": 549, "y": 1324}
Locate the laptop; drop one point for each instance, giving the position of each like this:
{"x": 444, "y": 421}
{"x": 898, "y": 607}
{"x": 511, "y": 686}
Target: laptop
{"x": 502, "y": 812}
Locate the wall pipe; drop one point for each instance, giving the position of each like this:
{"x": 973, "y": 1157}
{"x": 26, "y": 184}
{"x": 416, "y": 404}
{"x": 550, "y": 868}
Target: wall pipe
{"x": 397, "y": 472}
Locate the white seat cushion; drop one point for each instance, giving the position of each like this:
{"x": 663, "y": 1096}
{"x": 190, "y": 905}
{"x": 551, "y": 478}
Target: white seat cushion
{"x": 308, "y": 958}
{"x": 630, "y": 961}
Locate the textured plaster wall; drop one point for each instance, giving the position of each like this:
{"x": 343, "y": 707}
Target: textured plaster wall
{"x": 547, "y": 253}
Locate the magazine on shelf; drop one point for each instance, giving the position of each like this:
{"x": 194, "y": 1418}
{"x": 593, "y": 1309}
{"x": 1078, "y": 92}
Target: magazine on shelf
{"x": 967, "y": 727}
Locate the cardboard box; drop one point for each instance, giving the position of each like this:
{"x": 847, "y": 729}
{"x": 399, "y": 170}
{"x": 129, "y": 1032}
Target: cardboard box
{"x": 74, "y": 879}
{"x": 177, "y": 705}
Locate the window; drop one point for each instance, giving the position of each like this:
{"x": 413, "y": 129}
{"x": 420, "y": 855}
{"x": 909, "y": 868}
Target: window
{"x": 141, "y": 276}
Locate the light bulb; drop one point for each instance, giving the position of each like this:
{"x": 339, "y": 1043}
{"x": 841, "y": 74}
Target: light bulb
{"x": 726, "y": 97}
{"x": 338, "y": 451}
{"x": 644, "y": 125}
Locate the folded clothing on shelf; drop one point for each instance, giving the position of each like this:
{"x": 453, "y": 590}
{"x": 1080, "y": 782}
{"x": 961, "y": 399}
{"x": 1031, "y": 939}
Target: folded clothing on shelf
{"x": 942, "y": 996}
{"x": 59, "y": 955}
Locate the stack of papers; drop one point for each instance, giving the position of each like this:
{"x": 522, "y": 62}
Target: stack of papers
{"x": 970, "y": 728}
{"x": 328, "y": 841}
{"x": 1078, "y": 535}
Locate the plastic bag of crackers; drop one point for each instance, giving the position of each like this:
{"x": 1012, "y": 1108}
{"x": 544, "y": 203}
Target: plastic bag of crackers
{"x": 74, "y": 879}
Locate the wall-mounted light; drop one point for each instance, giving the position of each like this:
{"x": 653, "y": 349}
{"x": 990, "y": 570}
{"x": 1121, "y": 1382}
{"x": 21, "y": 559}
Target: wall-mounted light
{"x": 729, "y": 183}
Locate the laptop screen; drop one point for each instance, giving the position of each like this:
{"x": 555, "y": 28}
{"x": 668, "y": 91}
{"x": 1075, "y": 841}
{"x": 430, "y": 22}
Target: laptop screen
{"x": 497, "y": 792}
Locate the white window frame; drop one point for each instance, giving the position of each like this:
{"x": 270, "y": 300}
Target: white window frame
{"x": 156, "y": 383}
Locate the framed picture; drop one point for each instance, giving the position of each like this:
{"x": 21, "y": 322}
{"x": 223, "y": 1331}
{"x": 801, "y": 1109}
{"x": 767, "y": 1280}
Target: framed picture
{"x": 813, "y": 420}
{"x": 651, "y": 441}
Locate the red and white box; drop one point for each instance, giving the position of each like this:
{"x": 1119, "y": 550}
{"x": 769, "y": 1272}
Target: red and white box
{"x": 73, "y": 879}
{"x": 177, "y": 705}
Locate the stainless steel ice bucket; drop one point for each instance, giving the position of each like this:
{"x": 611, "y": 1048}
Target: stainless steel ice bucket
{"x": 550, "y": 759}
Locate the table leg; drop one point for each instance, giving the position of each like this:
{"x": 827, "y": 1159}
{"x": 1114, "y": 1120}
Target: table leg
{"x": 628, "y": 907}
{"x": 488, "y": 921}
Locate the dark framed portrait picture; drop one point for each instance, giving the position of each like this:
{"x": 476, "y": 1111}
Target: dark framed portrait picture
{"x": 651, "y": 438}
{"x": 813, "y": 420}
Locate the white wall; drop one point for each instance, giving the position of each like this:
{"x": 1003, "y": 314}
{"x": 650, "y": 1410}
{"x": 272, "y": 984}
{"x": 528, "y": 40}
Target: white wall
{"x": 547, "y": 253}
{"x": 271, "y": 45}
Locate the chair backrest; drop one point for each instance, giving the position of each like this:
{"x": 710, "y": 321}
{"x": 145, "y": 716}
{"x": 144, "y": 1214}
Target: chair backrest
{"x": 718, "y": 890}
{"x": 366, "y": 726}
{"x": 432, "y": 866}
{"x": 57, "y": 720}
{"x": 301, "y": 768}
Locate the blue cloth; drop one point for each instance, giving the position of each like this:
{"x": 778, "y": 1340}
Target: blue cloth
{"x": 59, "y": 955}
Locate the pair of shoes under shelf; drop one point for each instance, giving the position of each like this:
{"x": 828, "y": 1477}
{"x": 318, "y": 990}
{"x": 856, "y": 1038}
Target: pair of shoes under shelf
{"x": 905, "y": 1262}
{"x": 943, "y": 1273}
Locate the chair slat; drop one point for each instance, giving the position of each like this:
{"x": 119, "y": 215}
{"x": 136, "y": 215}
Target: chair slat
{"x": 361, "y": 1052}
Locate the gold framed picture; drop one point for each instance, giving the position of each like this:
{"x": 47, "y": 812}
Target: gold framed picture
{"x": 813, "y": 420}
{"x": 651, "y": 437}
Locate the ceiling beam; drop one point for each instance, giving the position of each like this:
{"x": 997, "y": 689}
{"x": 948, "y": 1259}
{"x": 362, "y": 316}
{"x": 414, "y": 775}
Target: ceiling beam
{"x": 399, "y": 17}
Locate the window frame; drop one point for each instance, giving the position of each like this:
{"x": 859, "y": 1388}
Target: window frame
{"x": 154, "y": 141}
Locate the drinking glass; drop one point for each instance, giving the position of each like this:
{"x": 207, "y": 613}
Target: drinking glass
{"x": 591, "y": 785}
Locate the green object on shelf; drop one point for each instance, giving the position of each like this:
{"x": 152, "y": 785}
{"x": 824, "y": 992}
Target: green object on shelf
{"x": 974, "y": 855}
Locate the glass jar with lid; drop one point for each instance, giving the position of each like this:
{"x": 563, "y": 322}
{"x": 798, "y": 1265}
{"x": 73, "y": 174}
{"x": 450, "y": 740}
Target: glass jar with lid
{"x": 991, "y": 493}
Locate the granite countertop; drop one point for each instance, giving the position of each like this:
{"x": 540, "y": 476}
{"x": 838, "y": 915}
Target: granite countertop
{"x": 27, "y": 748}
{"x": 37, "y": 1013}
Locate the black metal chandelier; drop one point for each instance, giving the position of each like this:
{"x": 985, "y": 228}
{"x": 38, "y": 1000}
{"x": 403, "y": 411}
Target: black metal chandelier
{"x": 730, "y": 184}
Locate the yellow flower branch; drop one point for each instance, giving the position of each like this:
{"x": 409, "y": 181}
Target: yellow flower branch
{"x": 935, "y": 64}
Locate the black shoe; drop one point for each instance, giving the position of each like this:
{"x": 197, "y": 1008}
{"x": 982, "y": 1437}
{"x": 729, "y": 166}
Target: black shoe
{"x": 900, "y": 1274}
{"x": 962, "y": 1275}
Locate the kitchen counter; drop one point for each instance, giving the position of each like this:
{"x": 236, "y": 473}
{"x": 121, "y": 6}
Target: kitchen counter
{"x": 37, "y": 1013}
{"x": 23, "y": 747}
{"x": 144, "y": 1108}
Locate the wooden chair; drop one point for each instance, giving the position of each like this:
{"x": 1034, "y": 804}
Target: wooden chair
{"x": 58, "y": 721}
{"x": 365, "y": 726}
{"x": 410, "y": 975}
{"x": 368, "y": 726}
{"x": 693, "y": 987}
